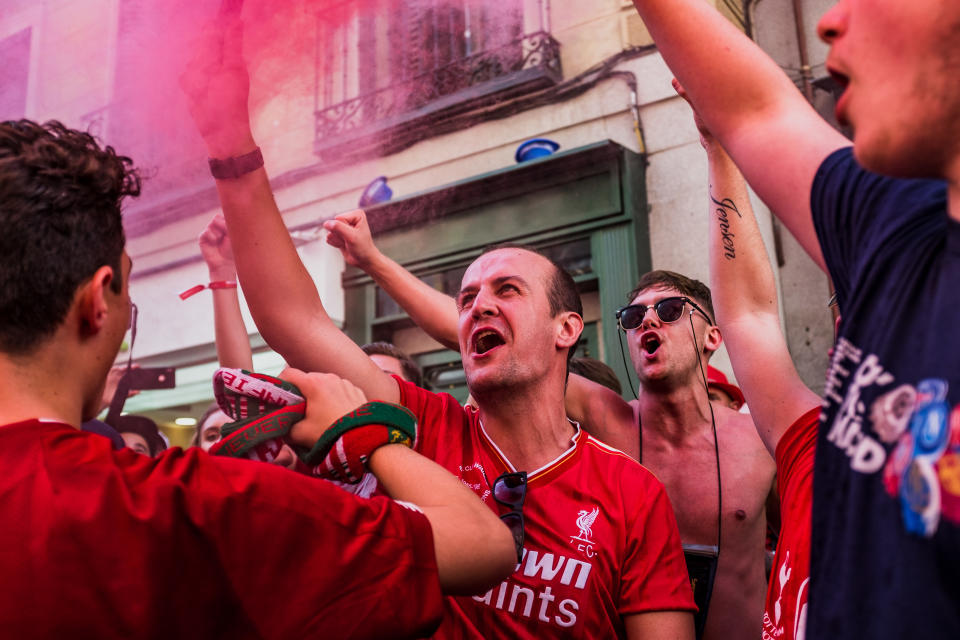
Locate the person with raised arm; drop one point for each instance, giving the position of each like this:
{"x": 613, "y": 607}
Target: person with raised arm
{"x": 231, "y": 339}
{"x": 236, "y": 549}
{"x": 230, "y": 333}
{"x": 600, "y": 556}
{"x": 883, "y": 218}
{"x": 785, "y": 411}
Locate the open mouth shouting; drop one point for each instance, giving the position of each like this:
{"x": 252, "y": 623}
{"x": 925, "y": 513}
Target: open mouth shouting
{"x": 650, "y": 343}
{"x": 842, "y": 81}
{"x": 485, "y": 340}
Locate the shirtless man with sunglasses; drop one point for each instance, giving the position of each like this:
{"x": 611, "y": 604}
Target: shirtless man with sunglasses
{"x": 670, "y": 336}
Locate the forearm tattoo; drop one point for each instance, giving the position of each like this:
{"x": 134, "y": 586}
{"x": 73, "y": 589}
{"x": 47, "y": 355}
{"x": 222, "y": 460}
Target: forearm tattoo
{"x": 726, "y": 236}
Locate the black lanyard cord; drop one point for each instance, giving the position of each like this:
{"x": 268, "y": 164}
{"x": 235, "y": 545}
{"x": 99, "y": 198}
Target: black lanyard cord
{"x": 713, "y": 423}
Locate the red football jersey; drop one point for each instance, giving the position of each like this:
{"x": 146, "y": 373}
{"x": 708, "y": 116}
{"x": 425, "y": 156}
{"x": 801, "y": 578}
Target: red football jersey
{"x": 785, "y": 615}
{"x": 112, "y": 544}
{"x": 601, "y": 538}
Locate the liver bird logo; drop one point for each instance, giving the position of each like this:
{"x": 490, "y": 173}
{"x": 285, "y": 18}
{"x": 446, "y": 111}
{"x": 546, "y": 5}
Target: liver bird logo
{"x": 585, "y": 520}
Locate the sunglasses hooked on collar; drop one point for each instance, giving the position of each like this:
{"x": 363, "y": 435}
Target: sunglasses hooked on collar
{"x": 510, "y": 490}
{"x": 668, "y": 310}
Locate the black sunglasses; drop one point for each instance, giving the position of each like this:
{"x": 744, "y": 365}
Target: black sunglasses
{"x": 668, "y": 310}
{"x": 510, "y": 489}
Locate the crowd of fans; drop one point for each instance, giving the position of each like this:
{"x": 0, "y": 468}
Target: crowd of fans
{"x": 346, "y": 499}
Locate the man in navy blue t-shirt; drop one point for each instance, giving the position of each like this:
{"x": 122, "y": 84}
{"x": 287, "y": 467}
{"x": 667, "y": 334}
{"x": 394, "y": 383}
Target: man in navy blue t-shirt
{"x": 885, "y": 559}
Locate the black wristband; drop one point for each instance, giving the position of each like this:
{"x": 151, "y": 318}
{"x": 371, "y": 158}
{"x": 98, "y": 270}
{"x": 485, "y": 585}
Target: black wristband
{"x": 230, "y": 168}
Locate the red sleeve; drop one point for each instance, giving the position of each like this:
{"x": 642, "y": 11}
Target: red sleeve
{"x": 419, "y": 402}
{"x": 438, "y": 416}
{"x": 305, "y": 558}
{"x": 654, "y": 574}
{"x": 795, "y": 452}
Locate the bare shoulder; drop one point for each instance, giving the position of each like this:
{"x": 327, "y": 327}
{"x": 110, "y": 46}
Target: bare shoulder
{"x": 612, "y": 420}
{"x": 738, "y": 435}
{"x": 736, "y": 423}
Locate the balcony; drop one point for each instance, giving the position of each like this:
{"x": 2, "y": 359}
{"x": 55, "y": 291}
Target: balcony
{"x": 386, "y": 80}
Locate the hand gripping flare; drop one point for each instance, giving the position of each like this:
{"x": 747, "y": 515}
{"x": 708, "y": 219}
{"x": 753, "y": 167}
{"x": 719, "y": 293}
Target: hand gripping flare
{"x": 264, "y": 408}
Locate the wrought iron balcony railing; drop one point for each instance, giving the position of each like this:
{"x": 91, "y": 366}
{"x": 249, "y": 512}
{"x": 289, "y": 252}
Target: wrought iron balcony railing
{"x": 421, "y": 92}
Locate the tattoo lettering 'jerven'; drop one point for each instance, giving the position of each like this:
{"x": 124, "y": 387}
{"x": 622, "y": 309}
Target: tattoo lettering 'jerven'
{"x": 726, "y": 237}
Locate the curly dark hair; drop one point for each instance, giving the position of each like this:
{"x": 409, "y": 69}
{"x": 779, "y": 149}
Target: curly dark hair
{"x": 60, "y": 197}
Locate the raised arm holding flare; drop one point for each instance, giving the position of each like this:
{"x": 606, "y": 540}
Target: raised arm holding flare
{"x": 280, "y": 293}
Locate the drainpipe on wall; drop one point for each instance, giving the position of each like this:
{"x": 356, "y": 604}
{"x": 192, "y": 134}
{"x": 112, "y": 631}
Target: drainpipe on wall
{"x": 806, "y": 73}
{"x": 631, "y": 79}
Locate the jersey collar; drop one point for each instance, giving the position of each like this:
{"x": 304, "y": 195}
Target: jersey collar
{"x": 546, "y": 471}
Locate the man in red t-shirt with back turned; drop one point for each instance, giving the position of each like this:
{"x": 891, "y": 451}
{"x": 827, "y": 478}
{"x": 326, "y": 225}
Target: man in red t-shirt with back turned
{"x": 601, "y": 555}
{"x": 119, "y": 545}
